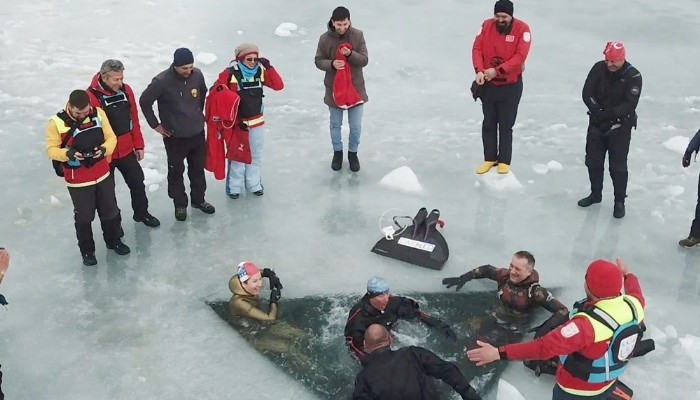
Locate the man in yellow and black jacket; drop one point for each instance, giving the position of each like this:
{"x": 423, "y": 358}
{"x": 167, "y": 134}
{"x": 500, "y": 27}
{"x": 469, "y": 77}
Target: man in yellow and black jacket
{"x": 81, "y": 139}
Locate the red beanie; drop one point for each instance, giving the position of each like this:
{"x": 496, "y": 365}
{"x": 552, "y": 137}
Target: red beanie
{"x": 614, "y": 51}
{"x": 246, "y": 269}
{"x": 604, "y": 279}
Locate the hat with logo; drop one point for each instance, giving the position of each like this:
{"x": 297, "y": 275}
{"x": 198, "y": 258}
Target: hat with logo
{"x": 604, "y": 279}
{"x": 614, "y": 51}
{"x": 245, "y": 270}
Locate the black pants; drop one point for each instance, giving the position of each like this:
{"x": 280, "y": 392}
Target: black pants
{"x": 194, "y": 150}
{"x": 695, "y": 228}
{"x": 2, "y": 396}
{"x": 133, "y": 176}
{"x": 86, "y": 200}
{"x": 500, "y": 107}
{"x": 617, "y": 145}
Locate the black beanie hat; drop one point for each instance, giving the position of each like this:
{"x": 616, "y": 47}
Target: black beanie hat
{"x": 182, "y": 56}
{"x": 504, "y": 6}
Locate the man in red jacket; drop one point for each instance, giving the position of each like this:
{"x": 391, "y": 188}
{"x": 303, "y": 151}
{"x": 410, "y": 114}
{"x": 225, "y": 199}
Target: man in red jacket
{"x": 109, "y": 92}
{"x": 595, "y": 344}
{"x": 498, "y": 55}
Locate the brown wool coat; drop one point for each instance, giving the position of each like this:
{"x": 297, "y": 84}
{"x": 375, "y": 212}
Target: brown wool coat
{"x": 358, "y": 59}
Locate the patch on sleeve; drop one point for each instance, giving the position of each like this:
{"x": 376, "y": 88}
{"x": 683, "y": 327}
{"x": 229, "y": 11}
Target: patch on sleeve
{"x": 635, "y": 90}
{"x": 569, "y": 330}
{"x": 526, "y": 36}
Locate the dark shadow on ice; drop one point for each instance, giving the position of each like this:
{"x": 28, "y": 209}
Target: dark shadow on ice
{"x": 343, "y": 214}
{"x": 489, "y": 220}
{"x": 689, "y": 289}
{"x": 307, "y": 341}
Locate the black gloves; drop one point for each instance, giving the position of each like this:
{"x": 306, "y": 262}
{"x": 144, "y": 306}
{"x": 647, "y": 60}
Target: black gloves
{"x": 275, "y": 296}
{"x": 264, "y": 62}
{"x": 686, "y": 158}
{"x": 457, "y": 281}
{"x": 274, "y": 280}
{"x": 438, "y": 325}
{"x": 71, "y": 154}
{"x": 448, "y": 332}
{"x": 470, "y": 394}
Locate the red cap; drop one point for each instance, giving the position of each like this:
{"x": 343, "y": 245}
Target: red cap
{"x": 604, "y": 279}
{"x": 614, "y": 51}
{"x": 246, "y": 269}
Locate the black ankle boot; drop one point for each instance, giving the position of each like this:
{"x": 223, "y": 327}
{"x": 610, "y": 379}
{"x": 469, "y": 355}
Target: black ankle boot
{"x": 590, "y": 200}
{"x": 354, "y": 161}
{"x": 337, "y": 162}
{"x": 619, "y": 209}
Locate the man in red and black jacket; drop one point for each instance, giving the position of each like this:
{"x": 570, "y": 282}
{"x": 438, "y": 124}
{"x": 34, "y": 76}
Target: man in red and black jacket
{"x": 597, "y": 341}
{"x": 109, "y": 92}
{"x": 498, "y": 55}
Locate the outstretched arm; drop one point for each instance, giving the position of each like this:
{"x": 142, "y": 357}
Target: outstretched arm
{"x": 485, "y": 271}
{"x": 446, "y": 371}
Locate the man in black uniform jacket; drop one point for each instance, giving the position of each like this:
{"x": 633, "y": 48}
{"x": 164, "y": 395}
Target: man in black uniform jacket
{"x": 611, "y": 93}
{"x": 379, "y": 306}
{"x": 406, "y": 373}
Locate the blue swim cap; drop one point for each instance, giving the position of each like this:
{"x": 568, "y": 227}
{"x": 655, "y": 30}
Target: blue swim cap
{"x": 377, "y": 285}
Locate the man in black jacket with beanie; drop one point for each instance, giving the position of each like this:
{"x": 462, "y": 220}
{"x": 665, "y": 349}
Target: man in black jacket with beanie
{"x": 180, "y": 91}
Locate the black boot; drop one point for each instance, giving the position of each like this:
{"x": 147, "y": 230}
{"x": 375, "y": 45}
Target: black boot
{"x": 591, "y": 199}
{"x": 354, "y": 161}
{"x": 619, "y": 209}
{"x": 89, "y": 259}
{"x": 337, "y": 162}
{"x": 86, "y": 244}
{"x": 148, "y": 220}
{"x": 119, "y": 247}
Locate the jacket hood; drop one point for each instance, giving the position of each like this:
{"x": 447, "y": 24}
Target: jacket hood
{"x": 234, "y": 284}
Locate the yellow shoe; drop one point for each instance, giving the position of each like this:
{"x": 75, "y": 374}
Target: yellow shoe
{"x": 485, "y": 167}
{"x": 503, "y": 168}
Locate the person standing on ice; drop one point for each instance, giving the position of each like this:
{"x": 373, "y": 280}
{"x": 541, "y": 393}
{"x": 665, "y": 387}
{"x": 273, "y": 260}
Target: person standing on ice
{"x": 342, "y": 54}
{"x": 611, "y": 93}
{"x": 116, "y": 98}
{"x": 693, "y": 238}
{"x": 247, "y": 75}
{"x": 180, "y": 91}
{"x": 498, "y": 54}
{"x": 80, "y": 138}
{"x": 595, "y": 344}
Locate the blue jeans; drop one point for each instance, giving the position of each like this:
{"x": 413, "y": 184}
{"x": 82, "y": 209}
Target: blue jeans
{"x": 240, "y": 173}
{"x": 355, "y": 121}
{"x": 559, "y": 394}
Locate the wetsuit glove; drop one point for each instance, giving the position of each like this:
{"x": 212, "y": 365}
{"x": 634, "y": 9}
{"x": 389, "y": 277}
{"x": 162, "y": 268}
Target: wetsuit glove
{"x": 457, "y": 281}
{"x": 264, "y": 62}
{"x": 275, "y": 296}
{"x": 686, "y": 158}
{"x": 274, "y": 280}
{"x": 448, "y": 332}
{"x": 470, "y": 394}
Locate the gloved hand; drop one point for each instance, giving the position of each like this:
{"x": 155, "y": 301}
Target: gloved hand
{"x": 686, "y": 158}
{"x": 71, "y": 154}
{"x": 275, "y": 296}
{"x": 448, "y": 332}
{"x": 264, "y": 62}
{"x": 456, "y": 281}
{"x": 274, "y": 280}
{"x": 470, "y": 394}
